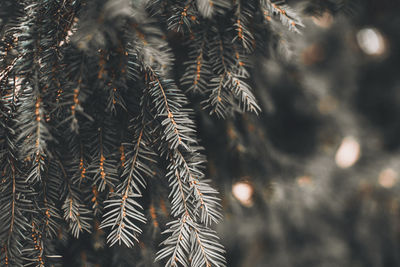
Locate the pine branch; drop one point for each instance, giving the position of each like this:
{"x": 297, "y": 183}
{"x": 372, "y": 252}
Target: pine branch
{"x": 15, "y": 193}
{"x": 187, "y": 194}
{"x": 208, "y": 8}
{"x": 197, "y": 72}
{"x": 13, "y": 208}
{"x": 228, "y": 90}
{"x": 177, "y": 245}
{"x": 220, "y": 101}
{"x": 183, "y": 17}
{"x": 103, "y": 165}
{"x": 48, "y": 195}
{"x": 244, "y": 36}
{"x": 34, "y": 132}
{"x": 286, "y": 15}
{"x": 177, "y": 125}
{"x": 242, "y": 92}
{"x": 38, "y": 250}
{"x": 206, "y": 249}
{"x": 123, "y": 208}
{"x": 206, "y": 202}
{"x": 76, "y": 214}
{"x": 75, "y": 91}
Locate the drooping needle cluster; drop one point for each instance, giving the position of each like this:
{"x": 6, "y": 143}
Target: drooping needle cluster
{"x": 93, "y": 121}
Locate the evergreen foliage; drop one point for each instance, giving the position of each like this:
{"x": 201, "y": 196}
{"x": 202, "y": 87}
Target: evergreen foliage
{"x": 94, "y": 127}
{"x": 305, "y": 209}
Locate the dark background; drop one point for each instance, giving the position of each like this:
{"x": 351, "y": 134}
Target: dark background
{"x": 306, "y": 210}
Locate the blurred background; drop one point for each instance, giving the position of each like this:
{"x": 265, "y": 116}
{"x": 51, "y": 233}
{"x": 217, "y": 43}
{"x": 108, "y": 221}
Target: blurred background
{"x": 315, "y": 179}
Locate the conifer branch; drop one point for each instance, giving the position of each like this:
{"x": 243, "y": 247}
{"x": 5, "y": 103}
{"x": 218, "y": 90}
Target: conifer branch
{"x": 73, "y": 74}
{"x": 287, "y": 16}
{"x": 124, "y": 210}
{"x": 76, "y": 214}
{"x": 244, "y": 35}
{"x": 103, "y": 166}
{"x": 197, "y": 72}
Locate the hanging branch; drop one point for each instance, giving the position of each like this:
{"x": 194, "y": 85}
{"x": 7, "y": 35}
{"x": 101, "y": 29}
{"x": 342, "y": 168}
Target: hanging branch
{"x": 123, "y": 209}
{"x": 73, "y": 75}
{"x": 243, "y": 15}
{"x": 103, "y": 166}
{"x": 197, "y": 72}
{"x": 228, "y": 90}
{"x": 183, "y": 17}
{"x": 76, "y": 214}
{"x": 187, "y": 194}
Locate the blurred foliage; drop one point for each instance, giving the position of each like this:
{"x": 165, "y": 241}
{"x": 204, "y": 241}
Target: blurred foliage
{"x": 306, "y": 210}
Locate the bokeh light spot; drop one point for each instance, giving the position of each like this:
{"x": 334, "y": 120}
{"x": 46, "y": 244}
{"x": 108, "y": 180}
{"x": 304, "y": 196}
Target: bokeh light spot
{"x": 371, "y": 41}
{"x": 243, "y": 192}
{"x": 304, "y": 181}
{"x": 348, "y": 152}
{"x": 388, "y": 178}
